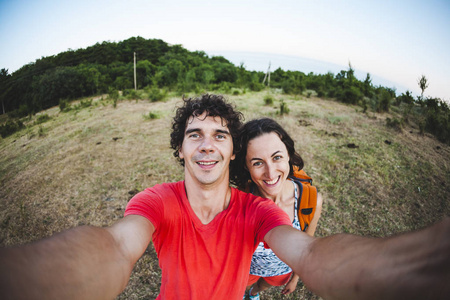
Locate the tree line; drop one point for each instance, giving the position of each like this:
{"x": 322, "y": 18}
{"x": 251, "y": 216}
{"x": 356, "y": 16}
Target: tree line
{"x": 108, "y": 67}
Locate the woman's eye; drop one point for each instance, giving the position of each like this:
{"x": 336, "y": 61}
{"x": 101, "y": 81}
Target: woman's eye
{"x": 258, "y": 163}
{"x": 278, "y": 157}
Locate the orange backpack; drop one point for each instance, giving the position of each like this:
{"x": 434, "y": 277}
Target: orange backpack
{"x": 306, "y": 207}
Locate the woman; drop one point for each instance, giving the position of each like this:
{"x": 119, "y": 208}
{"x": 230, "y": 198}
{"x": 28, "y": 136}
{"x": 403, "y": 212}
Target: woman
{"x": 263, "y": 165}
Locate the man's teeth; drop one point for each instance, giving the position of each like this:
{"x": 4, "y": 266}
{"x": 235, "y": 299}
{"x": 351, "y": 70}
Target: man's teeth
{"x": 272, "y": 181}
{"x": 206, "y": 163}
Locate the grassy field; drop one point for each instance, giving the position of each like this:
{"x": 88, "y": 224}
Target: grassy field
{"x": 83, "y": 166}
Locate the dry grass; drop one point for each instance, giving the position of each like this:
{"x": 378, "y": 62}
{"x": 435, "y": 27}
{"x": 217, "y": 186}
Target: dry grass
{"x": 83, "y": 166}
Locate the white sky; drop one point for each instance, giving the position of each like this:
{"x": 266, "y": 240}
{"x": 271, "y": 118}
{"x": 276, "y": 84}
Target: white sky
{"x": 396, "y": 40}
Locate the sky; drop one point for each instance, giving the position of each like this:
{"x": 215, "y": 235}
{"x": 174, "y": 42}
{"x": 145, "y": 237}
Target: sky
{"x": 396, "y": 42}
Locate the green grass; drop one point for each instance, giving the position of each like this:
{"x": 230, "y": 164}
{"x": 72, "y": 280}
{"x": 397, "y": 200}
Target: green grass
{"x": 75, "y": 173}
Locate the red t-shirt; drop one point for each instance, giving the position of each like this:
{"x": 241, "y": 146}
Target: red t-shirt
{"x": 201, "y": 261}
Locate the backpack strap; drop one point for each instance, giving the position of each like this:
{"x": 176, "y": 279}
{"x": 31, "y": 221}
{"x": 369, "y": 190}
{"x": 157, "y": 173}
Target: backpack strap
{"x": 306, "y": 201}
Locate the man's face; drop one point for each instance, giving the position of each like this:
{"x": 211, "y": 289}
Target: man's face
{"x": 207, "y": 150}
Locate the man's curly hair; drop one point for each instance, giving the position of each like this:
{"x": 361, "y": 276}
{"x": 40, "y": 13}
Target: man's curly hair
{"x": 214, "y": 106}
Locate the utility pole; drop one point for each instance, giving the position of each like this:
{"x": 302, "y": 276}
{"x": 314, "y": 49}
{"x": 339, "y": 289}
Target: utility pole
{"x": 135, "y": 71}
{"x": 267, "y": 76}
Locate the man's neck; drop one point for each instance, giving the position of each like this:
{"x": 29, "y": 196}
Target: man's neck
{"x": 208, "y": 200}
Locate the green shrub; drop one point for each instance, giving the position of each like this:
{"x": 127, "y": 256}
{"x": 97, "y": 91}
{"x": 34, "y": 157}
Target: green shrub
{"x": 42, "y": 119}
{"x": 10, "y": 127}
{"x": 268, "y": 99}
{"x": 394, "y": 123}
{"x": 113, "y": 94}
{"x": 384, "y": 101}
{"x": 256, "y": 86}
{"x": 41, "y": 131}
{"x": 131, "y": 94}
{"x": 152, "y": 115}
{"x": 284, "y": 109}
{"x": 350, "y": 95}
{"x": 85, "y": 103}
{"x": 155, "y": 94}
{"x": 22, "y": 111}
{"x": 224, "y": 87}
{"x": 64, "y": 105}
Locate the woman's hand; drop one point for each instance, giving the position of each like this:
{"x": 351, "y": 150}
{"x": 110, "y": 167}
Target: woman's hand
{"x": 291, "y": 285}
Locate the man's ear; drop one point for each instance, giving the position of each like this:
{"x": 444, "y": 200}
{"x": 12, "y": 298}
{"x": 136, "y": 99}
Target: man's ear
{"x": 180, "y": 152}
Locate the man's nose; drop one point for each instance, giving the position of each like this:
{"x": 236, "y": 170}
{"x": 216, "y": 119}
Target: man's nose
{"x": 207, "y": 145}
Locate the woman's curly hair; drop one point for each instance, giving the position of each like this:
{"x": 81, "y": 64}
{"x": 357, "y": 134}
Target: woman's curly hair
{"x": 214, "y": 106}
{"x": 240, "y": 176}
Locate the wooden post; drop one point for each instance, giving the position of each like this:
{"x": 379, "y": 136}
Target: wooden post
{"x": 135, "y": 88}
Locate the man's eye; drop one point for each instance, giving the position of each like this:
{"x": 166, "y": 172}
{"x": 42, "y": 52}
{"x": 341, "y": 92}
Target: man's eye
{"x": 220, "y": 137}
{"x": 194, "y": 135}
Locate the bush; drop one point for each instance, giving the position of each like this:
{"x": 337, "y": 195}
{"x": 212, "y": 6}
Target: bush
{"x": 394, "y": 123}
{"x": 155, "y": 94}
{"x": 256, "y": 86}
{"x": 152, "y": 115}
{"x": 130, "y": 94}
{"x": 268, "y": 100}
{"x": 284, "y": 109}
{"x": 22, "y": 111}
{"x": 85, "y": 103}
{"x": 437, "y": 119}
{"x": 42, "y": 119}
{"x": 224, "y": 87}
{"x": 350, "y": 95}
{"x": 384, "y": 101}
{"x": 41, "y": 131}
{"x": 64, "y": 105}
{"x": 10, "y": 127}
{"x": 113, "y": 94}
{"x": 291, "y": 86}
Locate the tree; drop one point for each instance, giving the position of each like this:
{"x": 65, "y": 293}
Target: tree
{"x": 423, "y": 84}
{"x": 367, "y": 86}
{"x": 4, "y": 76}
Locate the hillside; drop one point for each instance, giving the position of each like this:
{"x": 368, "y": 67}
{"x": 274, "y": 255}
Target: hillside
{"x": 82, "y": 167}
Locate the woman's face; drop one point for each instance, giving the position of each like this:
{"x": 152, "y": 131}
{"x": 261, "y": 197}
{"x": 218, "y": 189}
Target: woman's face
{"x": 267, "y": 160}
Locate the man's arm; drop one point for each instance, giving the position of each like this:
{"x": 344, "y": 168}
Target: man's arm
{"x": 81, "y": 263}
{"x": 414, "y": 265}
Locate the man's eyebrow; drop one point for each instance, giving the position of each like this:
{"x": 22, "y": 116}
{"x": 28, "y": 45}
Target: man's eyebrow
{"x": 192, "y": 130}
{"x": 222, "y": 131}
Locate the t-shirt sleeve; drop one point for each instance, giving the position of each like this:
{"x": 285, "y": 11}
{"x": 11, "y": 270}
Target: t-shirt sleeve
{"x": 269, "y": 216}
{"x": 147, "y": 204}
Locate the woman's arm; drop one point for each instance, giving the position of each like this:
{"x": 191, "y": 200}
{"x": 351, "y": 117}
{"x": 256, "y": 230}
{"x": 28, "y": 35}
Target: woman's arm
{"x": 291, "y": 285}
{"x": 313, "y": 226}
{"x": 81, "y": 263}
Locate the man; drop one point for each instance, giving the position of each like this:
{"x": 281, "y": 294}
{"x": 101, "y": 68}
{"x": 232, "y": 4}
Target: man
{"x": 205, "y": 232}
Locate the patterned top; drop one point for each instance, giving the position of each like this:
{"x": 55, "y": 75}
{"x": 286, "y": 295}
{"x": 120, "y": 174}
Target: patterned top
{"x": 264, "y": 262}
